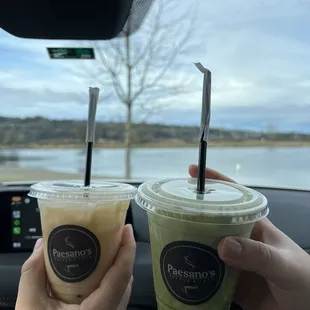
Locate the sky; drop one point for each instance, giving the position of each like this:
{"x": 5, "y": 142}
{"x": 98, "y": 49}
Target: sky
{"x": 258, "y": 53}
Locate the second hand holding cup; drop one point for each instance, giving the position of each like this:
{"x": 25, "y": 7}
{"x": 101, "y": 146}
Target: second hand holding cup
{"x": 187, "y": 218}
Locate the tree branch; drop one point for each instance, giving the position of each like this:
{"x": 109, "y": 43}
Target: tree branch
{"x": 148, "y": 47}
{"x": 116, "y": 46}
{"x": 149, "y": 64}
{"x": 143, "y": 86}
{"x": 113, "y": 74}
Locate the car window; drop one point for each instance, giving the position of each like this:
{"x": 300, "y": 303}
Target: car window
{"x": 150, "y": 96}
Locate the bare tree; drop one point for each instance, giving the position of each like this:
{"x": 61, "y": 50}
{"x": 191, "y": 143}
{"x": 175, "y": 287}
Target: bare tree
{"x": 143, "y": 69}
{"x": 271, "y": 130}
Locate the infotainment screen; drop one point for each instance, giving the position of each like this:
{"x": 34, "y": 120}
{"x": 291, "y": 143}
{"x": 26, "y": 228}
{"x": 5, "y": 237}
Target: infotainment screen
{"x": 26, "y": 225}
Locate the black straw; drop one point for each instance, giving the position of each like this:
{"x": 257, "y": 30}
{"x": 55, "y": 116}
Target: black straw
{"x": 204, "y": 128}
{"x": 201, "y": 183}
{"x": 90, "y": 134}
{"x": 88, "y": 163}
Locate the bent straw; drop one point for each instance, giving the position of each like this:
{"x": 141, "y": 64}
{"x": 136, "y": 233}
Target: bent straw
{"x": 204, "y": 127}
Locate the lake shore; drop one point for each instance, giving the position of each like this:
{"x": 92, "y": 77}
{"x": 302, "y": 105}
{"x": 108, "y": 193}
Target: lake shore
{"x": 165, "y": 144}
{"x": 275, "y": 167}
{"x": 18, "y": 174}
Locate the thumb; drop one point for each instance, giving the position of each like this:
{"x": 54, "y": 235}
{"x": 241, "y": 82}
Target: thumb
{"x": 125, "y": 299}
{"x": 117, "y": 281}
{"x": 32, "y": 284}
{"x": 249, "y": 255}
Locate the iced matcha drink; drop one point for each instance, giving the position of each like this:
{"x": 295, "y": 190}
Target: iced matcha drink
{"x": 185, "y": 228}
{"x": 82, "y": 230}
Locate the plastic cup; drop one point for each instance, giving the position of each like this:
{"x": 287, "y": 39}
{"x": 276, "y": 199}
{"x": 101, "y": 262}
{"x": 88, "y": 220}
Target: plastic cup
{"x": 185, "y": 228}
{"x": 82, "y": 230}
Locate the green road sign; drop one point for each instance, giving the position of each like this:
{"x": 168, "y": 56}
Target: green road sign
{"x": 71, "y": 53}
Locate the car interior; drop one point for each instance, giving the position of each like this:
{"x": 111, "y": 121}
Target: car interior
{"x": 16, "y": 205}
{"x": 289, "y": 208}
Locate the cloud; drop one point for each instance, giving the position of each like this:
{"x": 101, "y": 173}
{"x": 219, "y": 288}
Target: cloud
{"x": 54, "y": 104}
{"x": 257, "y": 51}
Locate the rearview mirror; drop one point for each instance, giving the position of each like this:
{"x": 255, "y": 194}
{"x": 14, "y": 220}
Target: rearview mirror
{"x": 70, "y": 20}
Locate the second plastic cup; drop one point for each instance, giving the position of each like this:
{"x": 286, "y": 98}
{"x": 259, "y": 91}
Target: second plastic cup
{"x": 185, "y": 228}
{"x": 82, "y": 230}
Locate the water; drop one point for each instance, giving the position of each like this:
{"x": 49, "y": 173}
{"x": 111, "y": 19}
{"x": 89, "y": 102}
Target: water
{"x": 279, "y": 167}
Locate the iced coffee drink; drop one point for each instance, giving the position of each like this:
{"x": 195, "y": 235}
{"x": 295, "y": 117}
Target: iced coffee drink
{"x": 185, "y": 228}
{"x": 82, "y": 230}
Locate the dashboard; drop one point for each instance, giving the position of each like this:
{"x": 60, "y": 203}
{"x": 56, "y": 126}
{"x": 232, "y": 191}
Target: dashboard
{"x": 20, "y": 228}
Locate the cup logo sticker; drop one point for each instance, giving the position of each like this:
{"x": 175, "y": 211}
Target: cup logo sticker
{"x": 73, "y": 252}
{"x": 192, "y": 272}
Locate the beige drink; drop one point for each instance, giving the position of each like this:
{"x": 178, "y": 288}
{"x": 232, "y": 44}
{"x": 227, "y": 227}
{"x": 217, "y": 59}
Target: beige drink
{"x": 185, "y": 228}
{"x": 82, "y": 230}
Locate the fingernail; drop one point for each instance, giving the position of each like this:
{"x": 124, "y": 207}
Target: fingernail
{"x": 131, "y": 228}
{"x": 231, "y": 249}
{"x": 38, "y": 245}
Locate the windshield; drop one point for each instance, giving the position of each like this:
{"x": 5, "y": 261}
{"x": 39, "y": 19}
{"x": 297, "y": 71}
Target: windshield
{"x": 148, "y": 114}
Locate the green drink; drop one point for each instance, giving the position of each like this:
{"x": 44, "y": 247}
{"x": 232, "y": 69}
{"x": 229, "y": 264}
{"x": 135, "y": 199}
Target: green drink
{"x": 185, "y": 228}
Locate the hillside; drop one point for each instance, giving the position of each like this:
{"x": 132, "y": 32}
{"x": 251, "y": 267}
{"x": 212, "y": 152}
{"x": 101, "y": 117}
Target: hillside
{"x": 41, "y": 131}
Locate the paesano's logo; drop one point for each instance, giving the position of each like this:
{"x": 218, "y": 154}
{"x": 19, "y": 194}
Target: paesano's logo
{"x": 189, "y": 290}
{"x": 74, "y": 252}
{"x": 188, "y": 262}
{"x": 190, "y": 273}
{"x": 84, "y": 253}
{"x": 195, "y": 278}
{"x": 68, "y": 243}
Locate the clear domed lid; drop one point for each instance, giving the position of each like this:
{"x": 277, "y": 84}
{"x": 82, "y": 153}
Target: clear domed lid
{"x": 75, "y": 190}
{"x": 178, "y": 198}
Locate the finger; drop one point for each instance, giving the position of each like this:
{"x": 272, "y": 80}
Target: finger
{"x": 125, "y": 299}
{"x": 267, "y": 233}
{"x": 255, "y": 256}
{"x": 115, "y": 282}
{"x": 210, "y": 174}
{"x": 32, "y": 284}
